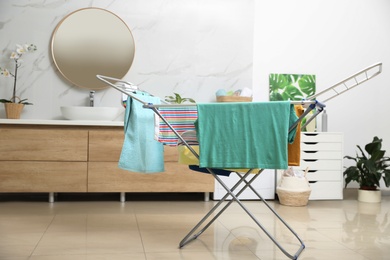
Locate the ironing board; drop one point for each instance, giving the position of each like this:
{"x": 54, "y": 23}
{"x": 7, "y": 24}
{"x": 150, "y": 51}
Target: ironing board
{"x": 310, "y": 104}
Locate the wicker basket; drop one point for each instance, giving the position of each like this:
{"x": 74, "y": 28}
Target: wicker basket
{"x": 13, "y": 110}
{"x": 233, "y": 99}
{"x": 293, "y": 198}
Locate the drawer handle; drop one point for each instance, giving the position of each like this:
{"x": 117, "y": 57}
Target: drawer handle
{"x": 310, "y": 151}
{"x": 312, "y": 170}
{"x": 312, "y": 181}
{"x": 311, "y": 134}
{"x": 310, "y": 143}
{"x": 310, "y": 160}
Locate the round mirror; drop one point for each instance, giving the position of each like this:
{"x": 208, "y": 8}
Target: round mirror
{"x": 92, "y": 41}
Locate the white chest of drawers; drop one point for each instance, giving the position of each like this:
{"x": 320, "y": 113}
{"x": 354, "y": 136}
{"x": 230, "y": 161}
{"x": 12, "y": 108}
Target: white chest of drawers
{"x": 322, "y": 153}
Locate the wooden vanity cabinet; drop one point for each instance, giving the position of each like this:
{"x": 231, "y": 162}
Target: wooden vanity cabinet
{"x": 36, "y": 158}
{"x": 42, "y": 160}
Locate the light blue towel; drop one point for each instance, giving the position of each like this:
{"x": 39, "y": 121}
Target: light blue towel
{"x": 140, "y": 152}
{"x": 244, "y": 135}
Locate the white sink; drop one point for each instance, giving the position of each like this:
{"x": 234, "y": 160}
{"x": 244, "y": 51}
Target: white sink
{"x": 91, "y": 113}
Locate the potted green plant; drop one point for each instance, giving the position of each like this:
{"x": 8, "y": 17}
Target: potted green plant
{"x": 369, "y": 170}
{"x": 14, "y": 105}
{"x": 177, "y": 99}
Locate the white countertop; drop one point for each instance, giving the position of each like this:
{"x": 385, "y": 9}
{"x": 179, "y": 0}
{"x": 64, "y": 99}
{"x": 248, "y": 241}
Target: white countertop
{"x": 59, "y": 122}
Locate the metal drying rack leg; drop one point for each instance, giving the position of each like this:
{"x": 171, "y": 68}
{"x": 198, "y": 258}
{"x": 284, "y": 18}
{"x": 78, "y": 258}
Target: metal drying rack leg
{"x": 230, "y": 192}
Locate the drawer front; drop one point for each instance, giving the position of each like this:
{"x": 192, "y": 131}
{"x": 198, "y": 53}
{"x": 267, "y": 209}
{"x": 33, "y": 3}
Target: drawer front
{"x": 322, "y": 137}
{"x": 324, "y": 175}
{"x": 105, "y": 145}
{"x": 43, "y": 176}
{"x": 326, "y": 155}
{"x": 316, "y": 146}
{"x": 324, "y": 190}
{"x": 107, "y": 177}
{"x": 43, "y": 145}
{"x": 171, "y": 154}
{"x": 321, "y": 164}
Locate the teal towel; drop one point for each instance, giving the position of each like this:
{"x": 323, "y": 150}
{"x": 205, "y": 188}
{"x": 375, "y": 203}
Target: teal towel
{"x": 244, "y": 135}
{"x": 140, "y": 152}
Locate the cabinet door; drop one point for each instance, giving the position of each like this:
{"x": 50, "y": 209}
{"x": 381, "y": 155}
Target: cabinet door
{"x": 105, "y": 145}
{"x": 37, "y": 176}
{"x": 43, "y": 145}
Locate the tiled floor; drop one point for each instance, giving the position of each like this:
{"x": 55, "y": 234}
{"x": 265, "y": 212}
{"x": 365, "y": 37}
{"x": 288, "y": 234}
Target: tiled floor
{"x": 97, "y": 230}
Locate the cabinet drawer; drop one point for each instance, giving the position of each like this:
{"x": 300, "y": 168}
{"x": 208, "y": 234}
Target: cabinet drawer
{"x": 107, "y": 177}
{"x": 321, "y": 137}
{"x": 321, "y": 164}
{"x": 316, "y": 146}
{"x": 327, "y": 155}
{"x": 323, "y": 175}
{"x": 322, "y": 190}
{"x": 43, "y": 176}
{"x": 43, "y": 145}
{"x": 105, "y": 145}
{"x": 171, "y": 154}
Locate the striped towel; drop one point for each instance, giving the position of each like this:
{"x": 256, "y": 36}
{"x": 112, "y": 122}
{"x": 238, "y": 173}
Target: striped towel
{"x": 181, "y": 118}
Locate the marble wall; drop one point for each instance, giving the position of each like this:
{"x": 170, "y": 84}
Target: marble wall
{"x": 191, "y": 47}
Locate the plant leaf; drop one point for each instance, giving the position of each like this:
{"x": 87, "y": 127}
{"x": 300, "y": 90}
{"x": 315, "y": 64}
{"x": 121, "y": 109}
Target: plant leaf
{"x": 307, "y": 84}
{"x": 277, "y": 81}
{"x": 292, "y": 93}
{"x": 275, "y": 97}
{"x": 375, "y": 145}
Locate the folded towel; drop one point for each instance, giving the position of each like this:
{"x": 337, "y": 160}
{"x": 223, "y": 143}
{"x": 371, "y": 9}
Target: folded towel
{"x": 140, "y": 152}
{"x": 181, "y": 118}
{"x": 244, "y": 135}
{"x": 294, "y": 149}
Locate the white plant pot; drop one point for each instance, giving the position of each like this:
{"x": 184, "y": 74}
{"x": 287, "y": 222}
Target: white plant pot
{"x": 370, "y": 196}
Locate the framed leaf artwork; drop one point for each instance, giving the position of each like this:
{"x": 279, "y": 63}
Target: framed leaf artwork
{"x": 294, "y": 87}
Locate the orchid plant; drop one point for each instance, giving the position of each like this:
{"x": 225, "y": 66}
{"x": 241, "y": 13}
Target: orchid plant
{"x": 15, "y": 56}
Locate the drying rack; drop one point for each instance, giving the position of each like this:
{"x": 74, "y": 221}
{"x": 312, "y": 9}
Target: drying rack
{"x": 310, "y": 104}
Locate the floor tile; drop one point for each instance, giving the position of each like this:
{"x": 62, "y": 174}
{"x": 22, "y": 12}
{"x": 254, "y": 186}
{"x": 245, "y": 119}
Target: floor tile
{"x": 149, "y": 230}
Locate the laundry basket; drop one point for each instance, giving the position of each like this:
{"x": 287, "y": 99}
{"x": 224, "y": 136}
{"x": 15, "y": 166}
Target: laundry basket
{"x": 293, "y": 191}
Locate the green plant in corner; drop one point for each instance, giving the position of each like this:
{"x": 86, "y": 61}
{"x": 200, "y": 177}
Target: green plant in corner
{"x": 370, "y": 168}
{"x": 177, "y": 99}
{"x": 15, "y": 56}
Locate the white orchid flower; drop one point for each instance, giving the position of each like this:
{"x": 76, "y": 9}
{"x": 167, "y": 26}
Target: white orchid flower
{"x": 20, "y": 49}
{"x": 5, "y": 73}
{"x": 14, "y": 56}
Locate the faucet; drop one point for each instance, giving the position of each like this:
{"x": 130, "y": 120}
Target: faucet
{"x": 92, "y": 98}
